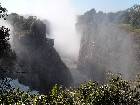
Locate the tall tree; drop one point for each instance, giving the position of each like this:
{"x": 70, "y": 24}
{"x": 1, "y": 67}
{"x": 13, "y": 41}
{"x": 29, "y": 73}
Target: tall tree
{"x": 134, "y": 16}
{"x": 6, "y": 53}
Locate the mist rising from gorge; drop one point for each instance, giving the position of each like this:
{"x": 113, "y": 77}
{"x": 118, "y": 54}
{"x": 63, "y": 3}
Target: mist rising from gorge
{"x": 95, "y": 42}
{"x": 62, "y": 30}
{"x": 62, "y": 17}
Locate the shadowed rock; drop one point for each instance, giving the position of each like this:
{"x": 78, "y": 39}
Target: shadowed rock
{"x": 105, "y": 46}
{"x": 38, "y": 63}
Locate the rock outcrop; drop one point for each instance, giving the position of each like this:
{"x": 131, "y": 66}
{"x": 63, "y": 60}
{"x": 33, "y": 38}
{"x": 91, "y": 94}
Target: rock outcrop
{"x": 39, "y": 66}
{"x": 105, "y": 47}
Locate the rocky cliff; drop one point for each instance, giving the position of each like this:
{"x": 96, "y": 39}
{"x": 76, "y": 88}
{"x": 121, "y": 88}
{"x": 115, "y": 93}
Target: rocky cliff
{"x": 105, "y": 47}
{"x": 38, "y": 66}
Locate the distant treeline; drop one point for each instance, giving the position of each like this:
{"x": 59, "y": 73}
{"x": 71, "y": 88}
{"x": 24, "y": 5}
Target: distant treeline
{"x": 129, "y": 16}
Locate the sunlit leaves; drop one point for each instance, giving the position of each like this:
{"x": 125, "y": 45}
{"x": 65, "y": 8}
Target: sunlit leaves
{"x": 3, "y": 12}
{"x": 134, "y": 14}
{"x": 115, "y": 92}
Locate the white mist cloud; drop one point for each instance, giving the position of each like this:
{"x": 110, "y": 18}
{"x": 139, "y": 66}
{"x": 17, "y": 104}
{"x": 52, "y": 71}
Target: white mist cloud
{"x": 60, "y": 13}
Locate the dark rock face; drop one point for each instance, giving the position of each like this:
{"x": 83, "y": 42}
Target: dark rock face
{"x": 39, "y": 65}
{"x": 105, "y": 46}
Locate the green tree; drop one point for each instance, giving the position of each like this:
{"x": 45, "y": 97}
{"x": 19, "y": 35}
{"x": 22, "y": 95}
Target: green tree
{"x": 134, "y": 16}
{"x": 6, "y": 54}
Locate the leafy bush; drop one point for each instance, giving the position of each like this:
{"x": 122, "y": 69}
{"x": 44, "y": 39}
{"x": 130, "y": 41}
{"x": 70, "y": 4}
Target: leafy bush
{"x": 116, "y": 91}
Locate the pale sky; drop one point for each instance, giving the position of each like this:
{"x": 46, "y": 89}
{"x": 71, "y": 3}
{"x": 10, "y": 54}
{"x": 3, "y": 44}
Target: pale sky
{"x": 103, "y": 5}
{"x": 79, "y": 5}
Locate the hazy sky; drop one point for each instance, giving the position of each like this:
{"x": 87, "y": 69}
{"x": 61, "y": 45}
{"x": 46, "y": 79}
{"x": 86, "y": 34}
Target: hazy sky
{"x": 80, "y": 5}
{"x": 104, "y": 5}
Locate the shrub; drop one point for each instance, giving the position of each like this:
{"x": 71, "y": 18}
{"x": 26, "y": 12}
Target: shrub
{"x": 116, "y": 91}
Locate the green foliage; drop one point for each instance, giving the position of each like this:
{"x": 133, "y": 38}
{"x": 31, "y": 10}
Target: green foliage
{"x": 134, "y": 14}
{"x": 6, "y": 53}
{"x": 3, "y": 12}
{"x": 116, "y": 91}
{"x": 4, "y": 36}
